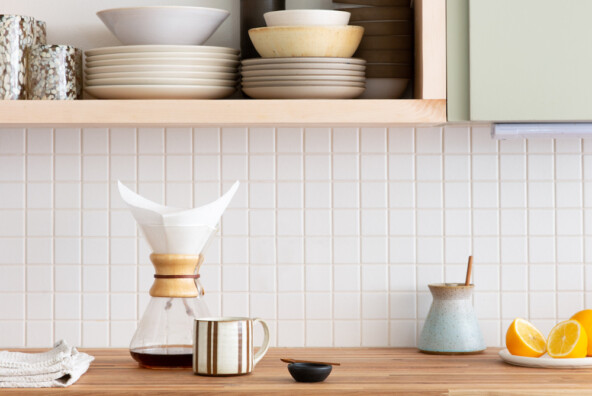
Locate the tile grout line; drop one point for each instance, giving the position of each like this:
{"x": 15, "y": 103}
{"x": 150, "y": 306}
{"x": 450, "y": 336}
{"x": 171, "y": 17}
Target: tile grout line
{"x": 109, "y": 239}
{"x": 304, "y": 239}
{"x": 25, "y": 242}
{"x": 555, "y": 231}
{"x": 443, "y": 202}
{"x": 138, "y": 235}
{"x": 332, "y": 238}
{"x": 275, "y": 239}
{"x": 53, "y": 234}
{"x": 528, "y": 255}
{"x": 499, "y": 242}
{"x": 360, "y": 237}
{"x": 415, "y": 244}
{"x": 248, "y": 258}
{"x": 219, "y": 132}
{"x": 388, "y": 239}
{"x": 583, "y": 217}
{"x": 499, "y": 326}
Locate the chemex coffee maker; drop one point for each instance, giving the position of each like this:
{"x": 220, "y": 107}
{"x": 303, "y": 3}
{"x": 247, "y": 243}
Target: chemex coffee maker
{"x": 178, "y": 238}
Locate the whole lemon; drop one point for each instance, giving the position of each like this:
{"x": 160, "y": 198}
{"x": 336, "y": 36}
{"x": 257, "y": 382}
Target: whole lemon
{"x": 585, "y": 319}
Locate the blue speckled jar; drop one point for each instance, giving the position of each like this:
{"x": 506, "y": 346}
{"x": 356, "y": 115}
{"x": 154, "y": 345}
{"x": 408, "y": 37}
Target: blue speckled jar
{"x": 451, "y": 326}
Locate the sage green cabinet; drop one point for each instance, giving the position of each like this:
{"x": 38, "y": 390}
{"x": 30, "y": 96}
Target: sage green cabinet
{"x": 528, "y": 60}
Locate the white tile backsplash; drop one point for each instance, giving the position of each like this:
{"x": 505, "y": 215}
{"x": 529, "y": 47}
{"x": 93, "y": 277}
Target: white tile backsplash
{"x": 333, "y": 236}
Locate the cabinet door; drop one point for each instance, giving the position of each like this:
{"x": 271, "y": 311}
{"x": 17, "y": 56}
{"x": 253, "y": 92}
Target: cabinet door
{"x": 457, "y": 60}
{"x": 530, "y": 60}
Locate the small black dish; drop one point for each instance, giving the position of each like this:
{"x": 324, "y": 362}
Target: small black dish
{"x": 309, "y": 372}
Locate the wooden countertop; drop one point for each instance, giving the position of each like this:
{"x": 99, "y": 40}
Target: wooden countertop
{"x": 363, "y": 371}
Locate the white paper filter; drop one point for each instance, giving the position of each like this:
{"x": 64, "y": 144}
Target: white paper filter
{"x": 170, "y": 230}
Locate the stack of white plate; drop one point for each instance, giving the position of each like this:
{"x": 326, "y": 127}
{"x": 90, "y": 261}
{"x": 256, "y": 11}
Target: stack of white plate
{"x": 303, "y": 78}
{"x": 161, "y": 72}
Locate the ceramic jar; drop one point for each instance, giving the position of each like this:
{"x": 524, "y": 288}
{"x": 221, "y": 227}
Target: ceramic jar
{"x": 54, "y": 72}
{"x": 17, "y": 34}
{"x": 451, "y": 326}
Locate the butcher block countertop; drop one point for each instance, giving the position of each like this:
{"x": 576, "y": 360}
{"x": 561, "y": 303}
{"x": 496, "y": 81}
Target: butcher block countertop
{"x": 363, "y": 371}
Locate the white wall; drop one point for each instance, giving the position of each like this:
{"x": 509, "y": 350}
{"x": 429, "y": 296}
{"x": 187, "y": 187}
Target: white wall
{"x": 74, "y": 22}
{"x": 333, "y": 237}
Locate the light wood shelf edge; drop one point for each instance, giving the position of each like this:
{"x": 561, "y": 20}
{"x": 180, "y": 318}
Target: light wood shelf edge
{"x": 93, "y": 113}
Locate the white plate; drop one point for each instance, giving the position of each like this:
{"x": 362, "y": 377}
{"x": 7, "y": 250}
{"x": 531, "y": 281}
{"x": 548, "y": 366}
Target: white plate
{"x": 306, "y": 66}
{"x": 164, "y": 61}
{"x": 161, "y": 48}
{"x": 159, "y": 55}
{"x": 159, "y": 68}
{"x": 545, "y": 361}
{"x": 303, "y": 83}
{"x": 385, "y": 88}
{"x": 159, "y": 92}
{"x": 160, "y": 81}
{"x": 302, "y": 72}
{"x": 266, "y": 61}
{"x": 304, "y": 78}
{"x": 165, "y": 74}
{"x": 304, "y": 92}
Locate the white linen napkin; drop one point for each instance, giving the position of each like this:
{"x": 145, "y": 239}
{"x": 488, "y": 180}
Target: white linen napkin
{"x": 60, "y": 367}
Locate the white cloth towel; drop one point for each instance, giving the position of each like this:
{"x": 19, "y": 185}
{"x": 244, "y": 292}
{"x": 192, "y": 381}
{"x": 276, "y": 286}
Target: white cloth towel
{"x": 60, "y": 367}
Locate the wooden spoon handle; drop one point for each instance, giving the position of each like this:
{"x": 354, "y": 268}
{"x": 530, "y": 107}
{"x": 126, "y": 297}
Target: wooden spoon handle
{"x": 286, "y": 360}
{"x": 469, "y": 270}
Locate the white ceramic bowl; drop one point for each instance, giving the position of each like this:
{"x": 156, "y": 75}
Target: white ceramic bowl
{"x": 307, "y": 18}
{"x": 170, "y": 25}
{"x": 306, "y": 41}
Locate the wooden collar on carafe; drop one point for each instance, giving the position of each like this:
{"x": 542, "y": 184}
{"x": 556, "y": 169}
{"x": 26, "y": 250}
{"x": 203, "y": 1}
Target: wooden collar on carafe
{"x": 175, "y": 275}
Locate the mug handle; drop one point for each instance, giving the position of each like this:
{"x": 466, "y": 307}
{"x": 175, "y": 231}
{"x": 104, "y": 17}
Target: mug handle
{"x": 263, "y": 349}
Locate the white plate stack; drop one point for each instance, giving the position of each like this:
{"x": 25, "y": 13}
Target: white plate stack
{"x": 161, "y": 72}
{"x": 303, "y": 78}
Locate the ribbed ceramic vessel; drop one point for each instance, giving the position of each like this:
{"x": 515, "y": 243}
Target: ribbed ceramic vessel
{"x": 451, "y": 326}
{"x": 17, "y": 34}
{"x": 54, "y": 72}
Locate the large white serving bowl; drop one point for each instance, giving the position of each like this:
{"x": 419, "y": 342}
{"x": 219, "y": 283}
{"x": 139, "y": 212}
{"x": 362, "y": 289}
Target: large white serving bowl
{"x": 172, "y": 25}
{"x": 306, "y": 18}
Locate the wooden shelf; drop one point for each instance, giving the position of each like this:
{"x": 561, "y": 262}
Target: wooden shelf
{"x": 92, "y": 113}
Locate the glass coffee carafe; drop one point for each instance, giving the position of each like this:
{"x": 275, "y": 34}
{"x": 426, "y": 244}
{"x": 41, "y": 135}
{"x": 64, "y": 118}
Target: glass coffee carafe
{"x": 164, "y": 338}
{"x": 178, "y": 238}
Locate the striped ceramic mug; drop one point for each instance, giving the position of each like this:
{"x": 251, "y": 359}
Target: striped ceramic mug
{"x": 224, "y": 346}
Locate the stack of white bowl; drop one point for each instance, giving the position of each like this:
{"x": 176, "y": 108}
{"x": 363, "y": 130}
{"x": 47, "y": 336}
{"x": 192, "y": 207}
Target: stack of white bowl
{"x": 162, "y": 56}
{"x": 306, "y": 54}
